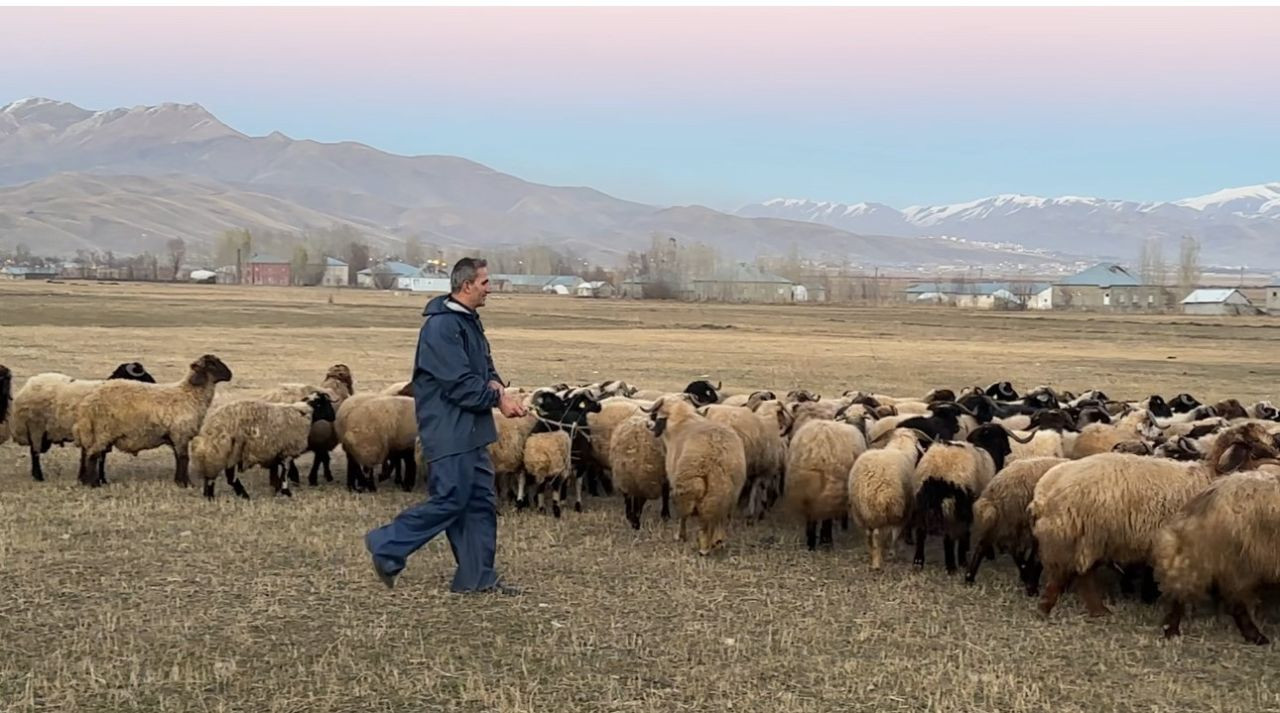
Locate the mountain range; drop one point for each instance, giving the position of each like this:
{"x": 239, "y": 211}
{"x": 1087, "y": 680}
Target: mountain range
{"x": 128, "y": 179}
{"x": 1235, "y": 226}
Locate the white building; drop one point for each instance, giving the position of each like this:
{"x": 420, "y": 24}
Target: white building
{"x": 1217, "y": 301}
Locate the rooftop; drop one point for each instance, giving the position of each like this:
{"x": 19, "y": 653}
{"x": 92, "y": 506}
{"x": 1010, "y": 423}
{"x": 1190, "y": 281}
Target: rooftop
{"x": 1212, "y": 296}
{"x": 743, "y": 273}
{"x": 1102, "y": 275}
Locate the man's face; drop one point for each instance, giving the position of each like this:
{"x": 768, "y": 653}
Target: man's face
{"x": 475, "y": 292}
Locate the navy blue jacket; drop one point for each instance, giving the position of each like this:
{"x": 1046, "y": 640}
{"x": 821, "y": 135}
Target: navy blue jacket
{"x": 451, "y": 375}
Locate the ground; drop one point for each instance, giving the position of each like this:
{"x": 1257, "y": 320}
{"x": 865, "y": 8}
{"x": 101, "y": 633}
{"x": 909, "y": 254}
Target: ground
{"x": 144, "y": 596}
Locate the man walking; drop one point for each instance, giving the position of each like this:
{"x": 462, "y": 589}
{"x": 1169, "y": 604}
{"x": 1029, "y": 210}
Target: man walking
{"x": 455, "y": 388}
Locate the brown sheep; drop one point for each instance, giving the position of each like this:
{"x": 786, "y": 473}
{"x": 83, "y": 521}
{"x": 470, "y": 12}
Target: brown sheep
{"x": 819, "y": 458}
{"x": 339, "y": 385}
{"x": 374, "y": 429}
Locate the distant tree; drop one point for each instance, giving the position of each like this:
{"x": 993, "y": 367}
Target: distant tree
{"x": 357, "y": 257}
{"x": 1188, "y": 265}
{"x": 177, "y": 248}
{"x": 21, "y": 254}
{"x": 298, "y": 265}
{"x": 413, "y": 253}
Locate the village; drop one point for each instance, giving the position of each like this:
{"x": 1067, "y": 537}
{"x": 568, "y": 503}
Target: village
{"x": 1102, "y": 287}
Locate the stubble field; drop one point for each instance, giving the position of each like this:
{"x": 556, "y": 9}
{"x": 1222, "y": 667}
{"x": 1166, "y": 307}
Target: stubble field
{"x": 143, "y": 596}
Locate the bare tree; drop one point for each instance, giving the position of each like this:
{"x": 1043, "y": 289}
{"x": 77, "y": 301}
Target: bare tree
{"x": 1188, "y": 265}
{"x": 177, "y": 253}
{"x": 1154, "y": 273}
{"x": 413, "y": 251}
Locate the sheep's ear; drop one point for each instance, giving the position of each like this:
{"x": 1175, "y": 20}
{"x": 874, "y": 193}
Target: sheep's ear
{"x": 199, "y": 376}
{"x": 1232, "y": 459}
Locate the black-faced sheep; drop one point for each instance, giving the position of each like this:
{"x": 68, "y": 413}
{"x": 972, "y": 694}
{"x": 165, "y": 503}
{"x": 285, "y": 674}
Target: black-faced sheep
{"x": 339, "y": 384}
{"x": 703, "y": 392}
{"x": 242, "y": 434}
{"x": 949, "y": 478}
{"x": 1223, "y": 539}
{"x": 1108, "y": 508}
{"x": 706, "y": 467}
{"x": 44, "y": 411}
{"x": 134, "y": 416}
{"x": 570, "y": 416}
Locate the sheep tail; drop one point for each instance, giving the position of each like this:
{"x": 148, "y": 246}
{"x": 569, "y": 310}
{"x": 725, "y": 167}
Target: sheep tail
{"x": 940, "y": 496}
{"x": 690, "y": 491}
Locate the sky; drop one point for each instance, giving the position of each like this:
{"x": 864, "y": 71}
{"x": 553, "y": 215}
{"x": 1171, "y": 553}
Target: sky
{"x": 713, "y": 106}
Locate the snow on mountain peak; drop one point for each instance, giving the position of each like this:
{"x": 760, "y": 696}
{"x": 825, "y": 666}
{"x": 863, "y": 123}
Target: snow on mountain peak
{"x": 1244, "y": 198}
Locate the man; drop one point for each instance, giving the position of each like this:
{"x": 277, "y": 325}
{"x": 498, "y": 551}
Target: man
{"x": 455, "y": 388}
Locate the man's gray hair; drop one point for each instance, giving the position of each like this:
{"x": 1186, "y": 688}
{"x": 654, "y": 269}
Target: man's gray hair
{"x": 465, "y": 271}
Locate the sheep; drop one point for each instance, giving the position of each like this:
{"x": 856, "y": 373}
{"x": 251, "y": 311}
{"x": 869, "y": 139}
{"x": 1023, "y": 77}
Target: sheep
{"x": 400, "y": 388}
{"x": 881, "y": 490}
{"x": 807, "y": 411}
{"x": 1101, "y": 438}
{"x": 1002, "y": 391}
{"x": 323, "y": 439}
{"x": 507, "y": 452}
{"x": 242, "y": 434}
{"x": 706, "y": 466}
{"x": 1265, "y": 411}
{"x": 571, "y": 415}
{"x": 1001, "y": 521}
{"x": 764, "y": 452}
{"x": 134, "y": 416}
{"x": 751, "y": 401}
{"x": 639, "y": 468}
{"x": 613, "y": 411}
{"x": 44, "y": 411}
{"x": 549, "y": 463}
{"x": 703, "y": 392}
{"x": 6, "y": 381}
{"x": 374, "y": 429}
{"x": 1223, "y": 539}
{"x": 948, "y": 478}
{"x": 819, "y": 459}
{"x": 1108, "y": 507}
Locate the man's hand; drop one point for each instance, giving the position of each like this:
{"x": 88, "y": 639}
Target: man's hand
{"x": 510, "y": 407}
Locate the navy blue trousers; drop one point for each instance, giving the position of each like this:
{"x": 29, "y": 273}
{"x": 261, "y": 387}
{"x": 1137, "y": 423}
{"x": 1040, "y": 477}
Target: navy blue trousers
{"x": 460, "y": 503}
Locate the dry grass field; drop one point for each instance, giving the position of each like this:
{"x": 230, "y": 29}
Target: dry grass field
{"x": 142, "y": 596}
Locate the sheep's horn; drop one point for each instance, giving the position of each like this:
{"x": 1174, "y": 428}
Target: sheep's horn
{"x": 919, "y": 433}
{"x": 1015, "y": 437}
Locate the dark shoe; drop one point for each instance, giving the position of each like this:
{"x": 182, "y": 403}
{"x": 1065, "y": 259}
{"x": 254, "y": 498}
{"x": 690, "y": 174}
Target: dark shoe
{"x": 387, "y": 579}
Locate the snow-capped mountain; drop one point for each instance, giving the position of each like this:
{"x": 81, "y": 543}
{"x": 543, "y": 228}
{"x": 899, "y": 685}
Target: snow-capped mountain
{"x": 1235, "y": 225}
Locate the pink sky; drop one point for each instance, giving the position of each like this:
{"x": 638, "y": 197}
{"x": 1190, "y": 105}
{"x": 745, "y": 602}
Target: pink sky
{"x": 555, "y": 54}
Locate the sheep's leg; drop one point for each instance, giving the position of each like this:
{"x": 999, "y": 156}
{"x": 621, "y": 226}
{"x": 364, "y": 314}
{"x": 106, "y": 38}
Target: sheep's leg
{"x": 354, "y": 474}
{"x": 370, "y": 483}
{"x": 962, "y": 547}
{"x": 637, "y": 506}
{"x": 234, "y": 481}
{"x": 410, "y": 473}
{"x": 949, "y": 553}
{"x": 102, "y": 467}
{"x": 1244, "y": 622}
{"x": 284, "y": 482}
{"x": 577, "y": 493}
{"x": 844, "y": 523}
{"x": 666, "y": 501}
{"x": 293, "y": 472}
{"x": 328, "y": 471}
{"x": 1091, "y": 592}
{"x": 1058, "y": 583}
{"x": 629, "y": 511}
{"x": 1150, "y": 591}
{"x": 825, "y": 539}
{"x": 1173, "y": 620}
{"x": 182, "y": 461}
{"x": 1030, "y": 574}
{"x": 918, "y": 560}
{"x": 37, "y": 473}
{"x": 556, "y": 489}
{"x": 680, "y": 534}
{"x": 976, "y": 561}
{"x": 874, "y": 545}
{"x": 273, "y": 474}
{"x": 521, "y": 502}
{"x": 313, "y": 478}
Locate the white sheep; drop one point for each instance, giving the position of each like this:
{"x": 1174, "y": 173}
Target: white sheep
{"x": 881, "y": 491}
{"x": 765, "y": 451}
{"x": 375, "y": 429}
{"x": 706, "y": 467}
{"x": 135, "y": 416}
{"x": 819, "y": 458}
{"x": 242, "y": 434}
{"x": 639, "y": 468}
{"x": 44, "y": 411}
{"x": 548, "y": 461}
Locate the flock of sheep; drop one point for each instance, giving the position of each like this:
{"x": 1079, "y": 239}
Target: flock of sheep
{"x": 1179, "y": 496}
